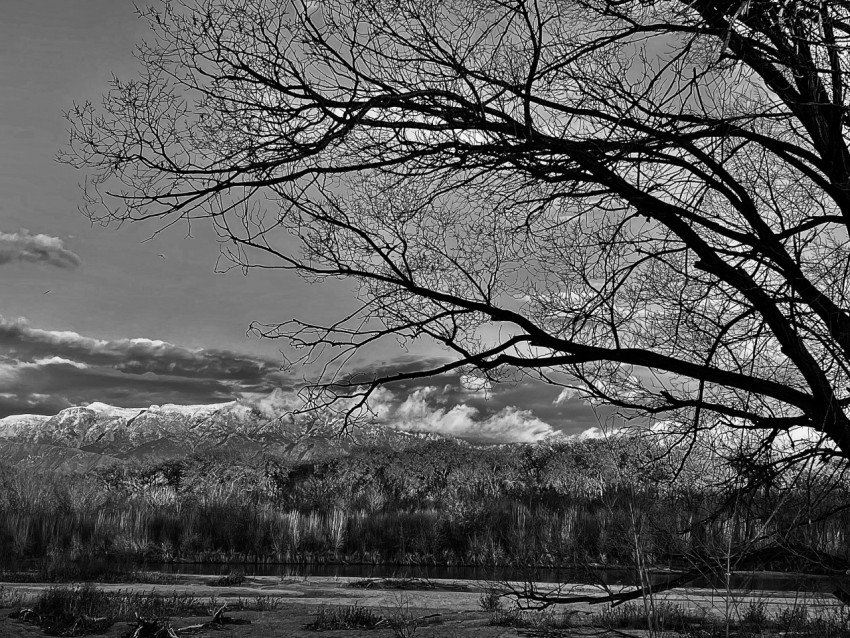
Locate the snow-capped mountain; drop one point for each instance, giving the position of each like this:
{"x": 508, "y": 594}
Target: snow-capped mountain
{"x": 158, "y": 432}
{"x": 101, "y": 423}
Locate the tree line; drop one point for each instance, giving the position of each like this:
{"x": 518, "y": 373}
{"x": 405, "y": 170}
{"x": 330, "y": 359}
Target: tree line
{"x": 578, "y": 503}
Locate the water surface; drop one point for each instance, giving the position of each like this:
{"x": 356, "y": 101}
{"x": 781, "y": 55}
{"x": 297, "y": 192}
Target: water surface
{"x": 765, "y": 581}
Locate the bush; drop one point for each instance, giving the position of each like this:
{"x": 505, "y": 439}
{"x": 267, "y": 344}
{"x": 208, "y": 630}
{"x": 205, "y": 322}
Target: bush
{"x": 754, "y": 617}
{"x": 663, "y": 616}
{"x": 349, "y": 617}
{"x": 490, "y": 600}
{"x": 530, "y": 619}
{"x": 63, "y": 611}
{"x": 400, "y": 619}
{"x": 792, "y": 618}
{"x": 76, "y": 611}
{"x": 232, "y": 579}
{"x": 831, "y": 623}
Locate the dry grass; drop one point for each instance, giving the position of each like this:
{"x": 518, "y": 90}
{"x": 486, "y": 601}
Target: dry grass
{"x": 346, "y": 617}
{"x": 76, "y": 611}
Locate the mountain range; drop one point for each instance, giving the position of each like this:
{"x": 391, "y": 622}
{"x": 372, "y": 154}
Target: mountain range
{"x": 80, "y": 438}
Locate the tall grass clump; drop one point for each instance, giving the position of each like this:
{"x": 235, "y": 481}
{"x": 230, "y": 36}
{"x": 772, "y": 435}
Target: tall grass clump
{"x": 543, "y": 620}
{"x": 831, "y": 623}
{"x": 661, "y": 616}
{"x": 73, "y": 611}
{"x": 348, "y": 617}
{"x": 491, "y": 600}
{"x": 234, "y": 578}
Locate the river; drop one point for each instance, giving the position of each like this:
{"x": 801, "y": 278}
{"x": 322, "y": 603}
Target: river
{"x": 766, "y": 581}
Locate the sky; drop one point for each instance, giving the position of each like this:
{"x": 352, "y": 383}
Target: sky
{"x": 115, "y": 315}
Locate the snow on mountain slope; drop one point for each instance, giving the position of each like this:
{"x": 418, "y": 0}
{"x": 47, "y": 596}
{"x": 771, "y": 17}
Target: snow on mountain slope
{"x": 169, "y": 431}
{"x": 10, "y": 426}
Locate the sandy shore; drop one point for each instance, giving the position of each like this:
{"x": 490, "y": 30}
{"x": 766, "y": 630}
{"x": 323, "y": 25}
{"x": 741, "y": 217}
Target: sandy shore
{"x": 446, "y": 608}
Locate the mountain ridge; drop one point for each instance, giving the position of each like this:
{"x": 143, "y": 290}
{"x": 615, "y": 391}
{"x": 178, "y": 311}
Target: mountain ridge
{"x": 101, "y": 433}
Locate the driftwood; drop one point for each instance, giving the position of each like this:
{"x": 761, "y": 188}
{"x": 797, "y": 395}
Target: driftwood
{"x": 24, "y": 614}
{"x": 152, "y": 629}
{"x": 89, "y": 624}
{"x": 541, "y": 600}
{"x": 218, "y": 615}
{"x": 82, "y": 624}
{"x": 162, "y": 628}
{"x": 220, "y": 619}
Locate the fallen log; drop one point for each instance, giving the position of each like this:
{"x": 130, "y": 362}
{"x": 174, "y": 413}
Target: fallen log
{"x": 703, "y": 565}
{"x": 542, "y": 600}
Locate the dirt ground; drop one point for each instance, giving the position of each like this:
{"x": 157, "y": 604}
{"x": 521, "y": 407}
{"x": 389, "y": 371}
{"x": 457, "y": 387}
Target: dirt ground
{"x": 447, "y": 609}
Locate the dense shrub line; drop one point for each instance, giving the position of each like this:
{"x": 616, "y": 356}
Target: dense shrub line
{"x": 434, "y": 502}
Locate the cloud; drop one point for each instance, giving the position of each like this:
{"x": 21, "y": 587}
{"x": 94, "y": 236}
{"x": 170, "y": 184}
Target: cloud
{"x": 52, "y": 385}
{"x": 566, "y": 395}
{"x": 274, "y": 403}
{"x": 132, "y": 356}
{"x": 426, "y": 409}
{"x": 58, "y": 360}
{"x": 596, "y": 432}
{"x": 23, "y": 246}
{"x": 475, "y": 385}
{"x": 566, "y": 412}
{"x": 404, "y": 364}
{"x": 422, "y": 411}
{"x": 31, "y": 403}
{"x": 43, "y": 371}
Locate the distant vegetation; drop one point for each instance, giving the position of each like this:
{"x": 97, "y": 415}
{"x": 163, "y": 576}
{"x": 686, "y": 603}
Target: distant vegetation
{"x": 433, "y": 502}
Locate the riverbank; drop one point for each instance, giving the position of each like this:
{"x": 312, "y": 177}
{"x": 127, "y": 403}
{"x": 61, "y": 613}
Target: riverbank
{"x": 443, "y": 607}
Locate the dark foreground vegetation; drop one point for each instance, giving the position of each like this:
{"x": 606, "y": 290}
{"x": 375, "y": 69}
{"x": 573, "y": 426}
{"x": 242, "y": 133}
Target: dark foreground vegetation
{"x": 435, "y": 502}
{"x": 669, "y": 619}
{"x": 86, "y": 609}
{"x": 83, "y": 610}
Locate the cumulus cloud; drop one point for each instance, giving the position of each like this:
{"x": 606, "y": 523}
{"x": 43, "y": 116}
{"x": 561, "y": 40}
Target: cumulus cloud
{"x": 596, "y": 432}
{"x": 274, "y": 403}
{"x": 566, "y": 412}
{"x": 423, "y": 411}
{"x": 40, "y": 248}
{"x": 566, "y": 395}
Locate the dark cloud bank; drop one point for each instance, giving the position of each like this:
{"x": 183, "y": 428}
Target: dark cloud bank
{"x": 44, "y": 371}
{"x": 132, "y": 356}
{"x": 41, "y": 370}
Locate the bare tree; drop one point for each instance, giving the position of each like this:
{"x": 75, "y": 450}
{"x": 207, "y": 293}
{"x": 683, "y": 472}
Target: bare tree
{"x": 646, "y": 200}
